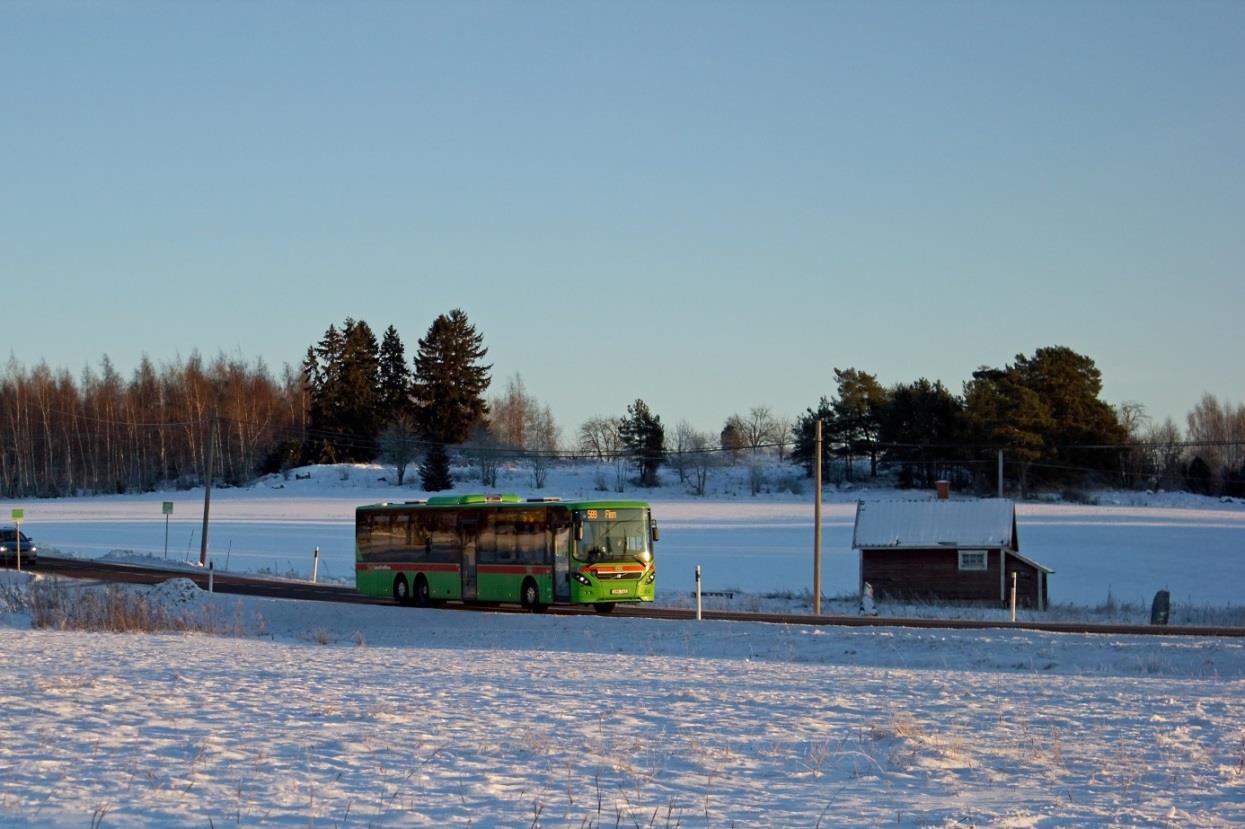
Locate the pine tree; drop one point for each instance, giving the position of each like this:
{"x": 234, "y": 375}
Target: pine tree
{"x": 1067, "y": 385}
{"x": 804, "y": 433}
{"x": 449, "y": 380}
{"x": 1001, "y": 412}
{"x": 645, "y": 438}
{"x": 857, "y": 416}
{"x": 925, "y": 419}
{"x": 434, "y": 472}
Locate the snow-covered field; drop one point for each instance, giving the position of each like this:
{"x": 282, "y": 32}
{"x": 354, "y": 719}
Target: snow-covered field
{"x": 294, "y": 714}
{"x": 314, "y": 715}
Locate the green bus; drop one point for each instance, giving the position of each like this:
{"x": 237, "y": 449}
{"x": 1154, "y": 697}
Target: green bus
{"x": 503, "y": 548}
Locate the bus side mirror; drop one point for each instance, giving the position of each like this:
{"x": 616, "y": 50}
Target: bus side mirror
{"x": 656, "y": 533}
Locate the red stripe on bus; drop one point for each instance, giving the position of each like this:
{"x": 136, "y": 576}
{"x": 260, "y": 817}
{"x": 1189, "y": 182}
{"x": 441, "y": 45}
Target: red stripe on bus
{"x": 404, "y": 567}
{"x": 514, "y": 569}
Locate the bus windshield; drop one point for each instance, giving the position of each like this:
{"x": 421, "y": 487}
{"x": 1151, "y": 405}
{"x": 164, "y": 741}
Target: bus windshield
{"x": 614, "y": 535}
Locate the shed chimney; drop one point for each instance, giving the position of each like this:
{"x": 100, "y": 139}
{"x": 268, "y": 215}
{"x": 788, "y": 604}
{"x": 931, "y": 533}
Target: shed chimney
{"x": 944, "y": 489}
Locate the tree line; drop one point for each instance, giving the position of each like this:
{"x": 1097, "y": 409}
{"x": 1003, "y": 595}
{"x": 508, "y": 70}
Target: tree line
{"x": 1043, "y": 412}
{"x": 358, "y": 398}
{"x": 103, "y": 433}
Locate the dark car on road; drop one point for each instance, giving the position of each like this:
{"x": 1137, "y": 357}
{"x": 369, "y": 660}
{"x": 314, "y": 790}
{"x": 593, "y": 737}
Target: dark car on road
{"x": 9, "y": 537}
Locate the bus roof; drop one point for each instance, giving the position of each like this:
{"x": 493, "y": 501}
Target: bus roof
{"x": 503, "y": 500}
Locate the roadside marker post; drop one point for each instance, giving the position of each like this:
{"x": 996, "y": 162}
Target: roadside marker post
{"x": 17, "y": 515}
{"x": 315, "y": 566}
{"x": 167, "y": 508}
{"x": 698, "y": 592}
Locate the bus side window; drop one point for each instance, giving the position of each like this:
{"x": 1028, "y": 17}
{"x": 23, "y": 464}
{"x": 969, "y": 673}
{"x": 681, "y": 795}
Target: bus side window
{"x": 363, "y": 533}
{"x": 421, "y": 538}
{"x": 504, "y": 535}
{"x": 443, "y": 536}
{"x": 530, "y": 537}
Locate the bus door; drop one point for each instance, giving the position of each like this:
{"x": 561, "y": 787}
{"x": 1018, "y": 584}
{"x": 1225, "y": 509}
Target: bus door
{"x": 469, "y": 531}
{"x": 561, "y": 563}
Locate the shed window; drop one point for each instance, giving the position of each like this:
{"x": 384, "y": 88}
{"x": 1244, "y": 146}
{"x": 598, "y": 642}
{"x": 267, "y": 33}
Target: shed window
{"x": 973, "y": 560}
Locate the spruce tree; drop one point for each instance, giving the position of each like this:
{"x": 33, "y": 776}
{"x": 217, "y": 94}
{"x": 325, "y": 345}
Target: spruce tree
{"x": 359, "y": 417}
{"x": 449, "y": 379}
{"x": 394, "y": 379}
{"x": 434, "y": 472}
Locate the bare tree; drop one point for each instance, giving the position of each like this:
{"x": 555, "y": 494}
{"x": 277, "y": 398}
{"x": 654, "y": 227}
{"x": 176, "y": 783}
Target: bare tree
{"x": 1165, "y": 454}
{"x": 399, "y": 444}
{"x": 1219, "y": 429}
{"x": 702, "y": 458}
{"x": 679, "y": 460}
{"x": 1132, "y": 416}
{"x": 758, "y": 427}
{"x": 509, "y": 413}
{"x": 541, "y": 442}
{"x": 599, "y": 438}
{"x": 484, "y": 449}
{"x": 782, "y": 436}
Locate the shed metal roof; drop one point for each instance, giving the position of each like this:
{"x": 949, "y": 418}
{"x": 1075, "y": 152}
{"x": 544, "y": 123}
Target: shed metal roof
{"x": 946, "y": 523}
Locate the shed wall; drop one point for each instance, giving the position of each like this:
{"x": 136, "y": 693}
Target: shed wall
{"x": 934, "y": 574}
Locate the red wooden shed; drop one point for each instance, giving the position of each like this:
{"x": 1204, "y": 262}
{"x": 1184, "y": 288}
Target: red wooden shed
{"x": 946, "y": 550}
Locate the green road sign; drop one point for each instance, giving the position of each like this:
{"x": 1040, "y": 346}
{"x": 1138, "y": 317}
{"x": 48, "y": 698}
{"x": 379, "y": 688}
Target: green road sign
{"x": 17, "y": 514}
{"x": 168, "y": 507}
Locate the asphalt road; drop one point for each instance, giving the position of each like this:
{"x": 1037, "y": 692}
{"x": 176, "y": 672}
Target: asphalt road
{"x": 284, "y": 589}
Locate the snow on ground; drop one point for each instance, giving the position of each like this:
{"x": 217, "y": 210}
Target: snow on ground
{"x": 325, "y": 715}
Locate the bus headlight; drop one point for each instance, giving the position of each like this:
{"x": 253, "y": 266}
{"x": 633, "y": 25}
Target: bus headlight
{"x": 582, "y": 579}
{"x": 652, "y": 576}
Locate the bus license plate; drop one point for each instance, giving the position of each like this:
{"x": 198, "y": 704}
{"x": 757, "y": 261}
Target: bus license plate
{"x": 619, "y": 591}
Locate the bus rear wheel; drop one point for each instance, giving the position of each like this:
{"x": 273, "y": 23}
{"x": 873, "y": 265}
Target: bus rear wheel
{"x": 604, "y": 607}
{"x": 423, "y": 597}
{"x": 529, "y": 596}
{"x": 401, "y": 593}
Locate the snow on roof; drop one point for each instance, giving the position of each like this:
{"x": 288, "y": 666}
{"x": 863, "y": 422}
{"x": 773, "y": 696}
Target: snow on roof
{"x": 951, "y": 523}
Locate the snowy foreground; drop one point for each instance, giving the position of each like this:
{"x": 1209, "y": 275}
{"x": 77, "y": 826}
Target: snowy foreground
{"x": 302, "y": 714}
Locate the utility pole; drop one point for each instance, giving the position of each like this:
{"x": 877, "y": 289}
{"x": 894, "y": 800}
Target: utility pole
{"x": 1000, "y": 473}
{"x": 207, "y": 494}
{"x": 817, "y": 519}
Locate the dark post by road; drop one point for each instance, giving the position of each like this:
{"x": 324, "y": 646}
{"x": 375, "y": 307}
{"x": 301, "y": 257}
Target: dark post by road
{"x": 207, "y": 494}
{"x": 817, "y": 519}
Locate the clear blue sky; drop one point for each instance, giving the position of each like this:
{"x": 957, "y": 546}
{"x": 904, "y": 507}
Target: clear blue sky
{"x": 706, "y": 205}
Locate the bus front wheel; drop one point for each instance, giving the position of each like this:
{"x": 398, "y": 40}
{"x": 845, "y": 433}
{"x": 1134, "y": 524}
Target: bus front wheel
{"x": 529, "y": 596}
{"x": 604, "y": 607}
{"x": 401, "y": 593}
